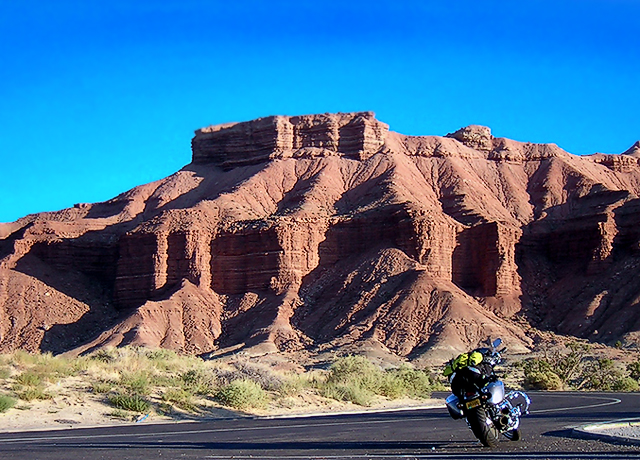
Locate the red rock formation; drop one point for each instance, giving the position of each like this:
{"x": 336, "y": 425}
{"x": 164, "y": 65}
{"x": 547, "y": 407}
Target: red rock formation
{"x": 328, "y": 230}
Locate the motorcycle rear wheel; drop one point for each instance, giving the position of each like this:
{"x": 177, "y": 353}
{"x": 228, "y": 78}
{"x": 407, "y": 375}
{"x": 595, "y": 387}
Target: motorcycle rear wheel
{"x": 482, "y": 427}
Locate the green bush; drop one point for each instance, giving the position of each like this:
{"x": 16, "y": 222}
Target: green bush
{"x": 626, "y": 384}
{"x": 242, "y": 394}
{"x": 601, "y": 374}
{"x": 539, "y": 375}
{"x": 133, "y": 403}
{"x": 137, "y": 382}
{"x": 634, "y": 369}
{"x": 180, "y": 398}
{"x": 355, "y": 379}
{"x": 542, "y": 381}
{"x": 102, "y": 387}
{"x": 197, "y": 381}
{"x": 5, "y": 373}
{"x": 344, "y": 392}
{"x": 409, "y": 382}
{"x": 6, "y": 403}
{"x": 29, "y": 378}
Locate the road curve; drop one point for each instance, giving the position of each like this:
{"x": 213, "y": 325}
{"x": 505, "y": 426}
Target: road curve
{"x": 420, "y": 434}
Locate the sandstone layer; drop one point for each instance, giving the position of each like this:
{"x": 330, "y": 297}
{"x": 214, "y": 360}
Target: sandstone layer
{"x": 321, "y": 231}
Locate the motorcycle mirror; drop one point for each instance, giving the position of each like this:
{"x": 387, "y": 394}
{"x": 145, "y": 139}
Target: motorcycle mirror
{"x": 496, "y": 343}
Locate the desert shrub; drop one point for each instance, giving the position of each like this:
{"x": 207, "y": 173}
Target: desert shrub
{"x": 22, "y": 359}
{"x": 33, "y": 393}
{"x": 197, "y": 381}
{"x": 56, "y": 366}
{"x": 6, "y": 403}
{"x": 344, "y": 392}
{"x": 409, "y": 382}
{"x": 355, "y": 379}
{"x": 137, "y": 382}
{"x": 161, "y": 354}
{"x": 119, "y": 414}
{"x": 101, "y": 387}
{"x": 5, "y": 373}
{"x": 568, "y": 365}
{"x": 357, "y": 370}
{"x": 167, "y": 360}
{"x": 539, "y": 375}
{"x": 601, "y": 374}
{"x": 542, "y": 381}
{"x": 634, "y": 369}
{"x": 29, "y": 378}
{"x": 104, "y": 355}
{"x": 626, "y": 384}
{"x": 294, "y": 384}
{"x": 180, "y": 398}
{"x": 242, "y": 394}
{"x": 261, "y": 375}
{"x": 133, "y": 403}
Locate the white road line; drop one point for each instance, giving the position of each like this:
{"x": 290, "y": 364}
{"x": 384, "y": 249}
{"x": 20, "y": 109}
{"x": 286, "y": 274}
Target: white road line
{"x": 179, "y": 433}
{"x": 609, "y": 402}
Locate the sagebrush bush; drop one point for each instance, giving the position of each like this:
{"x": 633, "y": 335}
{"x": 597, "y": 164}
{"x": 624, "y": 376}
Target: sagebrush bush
{"x": 411, "y": 382}
{"x": 261, "y": 375}
{"x": 345, "y": 392}
{"x": 242, "y": 394}
{"x": 355, "y": 379}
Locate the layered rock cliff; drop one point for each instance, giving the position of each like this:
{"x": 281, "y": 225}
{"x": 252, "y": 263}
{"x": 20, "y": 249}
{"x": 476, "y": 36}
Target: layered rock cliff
{"x": 308, "y": 232}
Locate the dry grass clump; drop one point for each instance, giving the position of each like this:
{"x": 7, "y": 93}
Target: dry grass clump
{"x": 131, "y": 403}
{"x": 6, "y": 403}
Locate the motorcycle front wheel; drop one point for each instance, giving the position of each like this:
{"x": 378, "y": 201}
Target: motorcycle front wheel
{"x": 482, "y": 427}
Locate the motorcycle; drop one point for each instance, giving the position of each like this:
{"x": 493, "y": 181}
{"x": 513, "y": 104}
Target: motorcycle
{"x": 479, "y": 397}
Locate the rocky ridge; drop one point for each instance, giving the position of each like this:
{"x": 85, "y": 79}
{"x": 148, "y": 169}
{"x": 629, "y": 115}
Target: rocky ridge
{"x": 323, "y": 231}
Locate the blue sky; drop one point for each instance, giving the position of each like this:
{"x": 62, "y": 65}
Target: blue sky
{"x": 100, "y": 96}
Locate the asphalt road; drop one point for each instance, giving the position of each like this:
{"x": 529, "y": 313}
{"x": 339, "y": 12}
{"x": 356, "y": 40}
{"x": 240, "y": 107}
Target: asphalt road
{"x": 421, "y": 434}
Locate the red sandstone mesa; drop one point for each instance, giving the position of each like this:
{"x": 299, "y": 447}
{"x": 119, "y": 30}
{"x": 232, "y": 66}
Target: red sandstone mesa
{"x": 286, "y": 233}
